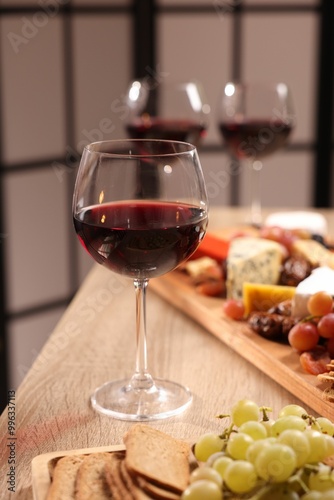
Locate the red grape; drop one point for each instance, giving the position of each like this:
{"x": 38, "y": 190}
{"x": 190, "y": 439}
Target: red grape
{"x": 326, "y": 326}
{"x": 320, "y": 303}
{"x": 283, "y": 236}
{"x": 303, "y": 336}
{"x": 234, "y": 309}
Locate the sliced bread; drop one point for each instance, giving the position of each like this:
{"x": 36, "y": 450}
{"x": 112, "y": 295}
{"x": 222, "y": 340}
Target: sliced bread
{"x": 64, "y": 478}
{"x": 119, "y": 489}
{"x": 91, "y": 483}
{"x": 157, "y": 457}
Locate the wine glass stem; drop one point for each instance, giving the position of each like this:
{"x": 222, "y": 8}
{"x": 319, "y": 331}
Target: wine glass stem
{"x": 256, "y": 210}
{"x": 141, "y": 378}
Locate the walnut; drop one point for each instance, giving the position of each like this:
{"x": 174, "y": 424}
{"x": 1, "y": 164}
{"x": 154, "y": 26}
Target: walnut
{"x": 283, "y": 308}
{"x": 295, "y": 269}
{"x": 267, "y": 325}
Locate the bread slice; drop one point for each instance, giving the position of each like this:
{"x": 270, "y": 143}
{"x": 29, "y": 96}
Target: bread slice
{"x": 131, "y": 482}
{"x": 119, "y": 489}
{"x": 91, "y": 483}
{"x": 155, "y": 491}
{"x": 64, "y": 478}
{"x": 157, "y": 457}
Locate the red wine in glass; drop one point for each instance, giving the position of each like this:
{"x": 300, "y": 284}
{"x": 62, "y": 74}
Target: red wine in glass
{"x": 159, "y": 236}
{"x": 170, "y": 129}
{"x": 255, "y": 120}
{"x": 254, "y": 138}
{"x": 140, "y": 232}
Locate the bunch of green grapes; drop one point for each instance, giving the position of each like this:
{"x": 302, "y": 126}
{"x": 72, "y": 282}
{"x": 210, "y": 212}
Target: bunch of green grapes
{"x": 260, "y": 458}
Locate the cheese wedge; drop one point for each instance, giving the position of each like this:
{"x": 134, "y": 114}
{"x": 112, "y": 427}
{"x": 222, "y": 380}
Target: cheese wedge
{"x": 259, "y": 297}
{"x": 253, "y": 260}
{"x": 312, "y": 222}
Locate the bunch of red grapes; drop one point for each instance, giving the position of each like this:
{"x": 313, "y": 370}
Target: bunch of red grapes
{"x": 316, "y": 331}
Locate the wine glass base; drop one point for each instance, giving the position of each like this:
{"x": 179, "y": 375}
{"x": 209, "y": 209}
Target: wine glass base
{"x": 121, "y": 401}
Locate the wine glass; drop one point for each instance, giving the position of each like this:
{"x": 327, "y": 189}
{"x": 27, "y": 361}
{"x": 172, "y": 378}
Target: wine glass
{"x": 255, "y": 120}
{"x": 167, "y": 110}
{"x": 139, "y": 236}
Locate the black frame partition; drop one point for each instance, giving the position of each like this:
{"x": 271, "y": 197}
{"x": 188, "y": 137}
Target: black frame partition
{"x": 145, "y": 49}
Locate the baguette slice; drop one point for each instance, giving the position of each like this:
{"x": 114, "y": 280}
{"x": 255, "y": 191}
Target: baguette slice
{"x": 157, "y": 457}
{"x": 91, "y": 483}
{"x": 64, "y": 478}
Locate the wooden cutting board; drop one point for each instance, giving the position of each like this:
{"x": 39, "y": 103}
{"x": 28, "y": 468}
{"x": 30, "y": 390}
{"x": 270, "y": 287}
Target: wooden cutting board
{"x": 276, "y": 360}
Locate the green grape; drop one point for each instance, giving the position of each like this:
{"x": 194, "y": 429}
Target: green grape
{"x": 254, "y": 429}
{"x": 206, "y": 473}
{"x": 243, "y": 411}
{"x": 214, "y": 457}
{"x": 329, "y": 445}
{"x": 292, "y": 409}
{"x": 312, "y": 495}
{"x": 202, "y": 489}
{"x": 288, "y": 422}
{"x": 323, "y": 480}
{"x": 265, "y": 454}
{"x": 324, "y": 425}
{"x": 221, "y": 463}
{"x": 298, "y": 442}
{"x": 327, "y": 495}
{"x": 206, "y": 445}
{"x": 255, "y": 448}
{"x": 318, "y": 446}
{"x": 238, "y": 444}
{"x": 276, "y": 463}
{"x": 240, "y": 476}
{"x": 267, "y": 424}
{"x": 278, "y": 492}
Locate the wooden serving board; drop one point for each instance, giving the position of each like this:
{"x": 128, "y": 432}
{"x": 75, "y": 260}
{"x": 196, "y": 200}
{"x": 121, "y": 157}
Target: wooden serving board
{"x": 41, "y": 466}
{"x": 276, "y": 360}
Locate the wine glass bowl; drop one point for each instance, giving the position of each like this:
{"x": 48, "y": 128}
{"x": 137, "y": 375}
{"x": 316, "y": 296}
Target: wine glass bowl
{"x": 167, "y": 110}
{"x": 130, "y": 232}
{"x": 255, "y": 120}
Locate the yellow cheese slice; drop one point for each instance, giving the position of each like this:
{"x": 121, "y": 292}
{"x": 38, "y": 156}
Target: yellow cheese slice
{"x": 259, "y": 297}
{"x": 314, "y": 252}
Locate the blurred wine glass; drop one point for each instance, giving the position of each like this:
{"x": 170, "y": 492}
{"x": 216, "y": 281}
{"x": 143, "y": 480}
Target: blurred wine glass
{"x": 255, "y": 120}
{"x": 175, "y": 111}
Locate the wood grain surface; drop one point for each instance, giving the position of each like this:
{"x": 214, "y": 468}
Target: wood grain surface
{"x": 95, "y": 342}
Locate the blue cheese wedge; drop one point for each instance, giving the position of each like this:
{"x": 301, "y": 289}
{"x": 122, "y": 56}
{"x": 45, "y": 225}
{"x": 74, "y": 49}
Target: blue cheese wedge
{"x": 252, "y": 260}
{"x": 320, "y": 280}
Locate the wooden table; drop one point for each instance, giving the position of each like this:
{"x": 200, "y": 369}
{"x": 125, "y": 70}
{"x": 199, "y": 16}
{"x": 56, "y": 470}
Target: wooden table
{"x": 95, "y": 342}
